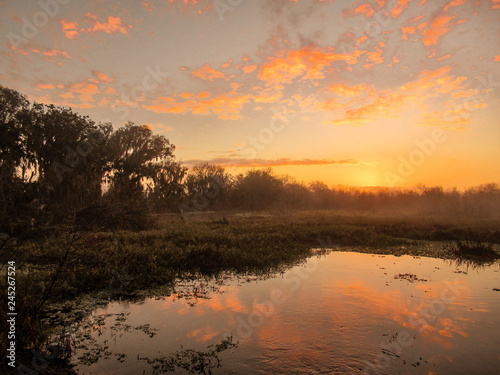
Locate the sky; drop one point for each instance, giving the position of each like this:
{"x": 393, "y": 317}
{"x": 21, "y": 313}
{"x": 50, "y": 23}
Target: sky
{"x": 362, "y": 93}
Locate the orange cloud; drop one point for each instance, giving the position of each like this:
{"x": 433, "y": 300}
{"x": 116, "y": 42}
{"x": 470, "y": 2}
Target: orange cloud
{"x": 443, "y": 57}
{"x": 113, "y": 25}
{"x": 365, "y": 9}
{"x": 437, "y": 83}
{"x": 497, "y": 58}
{"x": 227, "y": 64}
{"x": 101, "y": 76}
{"x": 70, "y": 29}
{"x": 374, "y": 57}
{"x": 267, "y": 95}
{"x": 225, "y": 107}
{"x": 110, "y": 91}
{"x": 349, "y": 91}
{"x": 56, "y": 52}
{"x": 465, "y": 94}
{"x": 169, "y": 106}
{"x": 495, "y": 4}
{"x": 48, "y": 53}
{"x": 454, "y": 3}
{"x": 451, "y": 120}
{"x": 399, "y": 7}
{"x": 439, "y": 27}
{"x": 249, "y": 68}
{"x": 407, "y": 30}
{"x": 45, "y": 86}
{"x": 86, "y": 92}
{"x": 207, "y": 73}
{"x": 307, "y": 63}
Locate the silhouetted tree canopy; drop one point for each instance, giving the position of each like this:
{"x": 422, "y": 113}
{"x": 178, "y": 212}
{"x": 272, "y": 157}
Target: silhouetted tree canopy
{"x": 57, "y": 165}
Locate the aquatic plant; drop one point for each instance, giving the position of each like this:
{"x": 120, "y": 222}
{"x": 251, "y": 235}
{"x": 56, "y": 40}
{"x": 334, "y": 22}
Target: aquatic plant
{"x": 201, "y": 362}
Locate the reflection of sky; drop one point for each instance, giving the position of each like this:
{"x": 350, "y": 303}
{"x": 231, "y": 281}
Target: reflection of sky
{"x": 334, "y": 314}
{"x": 358, "y": 100}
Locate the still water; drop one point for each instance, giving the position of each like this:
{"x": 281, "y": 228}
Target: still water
{"x": 340, "y": 313}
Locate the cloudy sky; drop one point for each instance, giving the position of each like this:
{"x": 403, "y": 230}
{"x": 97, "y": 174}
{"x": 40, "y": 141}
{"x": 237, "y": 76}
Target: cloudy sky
{"x": 365, "y": 93}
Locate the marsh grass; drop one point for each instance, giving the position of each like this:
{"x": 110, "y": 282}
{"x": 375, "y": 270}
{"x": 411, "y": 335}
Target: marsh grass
{"x": 472, "y": 252}
{"x": 109, "y": 265}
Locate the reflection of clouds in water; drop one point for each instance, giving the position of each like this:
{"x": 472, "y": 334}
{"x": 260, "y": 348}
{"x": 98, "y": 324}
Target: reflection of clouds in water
{"x": 336, "y": 318}
{"x": 203, "y": 334}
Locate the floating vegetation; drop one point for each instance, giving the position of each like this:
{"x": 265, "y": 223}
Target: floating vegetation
{"x": 201, "y": 362}
{"x": 80, "y": 340}
{"x": 409, "y": 277}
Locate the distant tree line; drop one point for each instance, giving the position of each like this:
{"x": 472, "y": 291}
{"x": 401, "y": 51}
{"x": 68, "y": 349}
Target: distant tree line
{"x": 56, "y": 165}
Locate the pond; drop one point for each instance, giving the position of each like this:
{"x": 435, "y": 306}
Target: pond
{"x": 338, "y": 313}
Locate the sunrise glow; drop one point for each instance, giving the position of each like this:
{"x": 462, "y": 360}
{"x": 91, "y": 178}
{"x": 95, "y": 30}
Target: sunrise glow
{"x": 344, "y": 92}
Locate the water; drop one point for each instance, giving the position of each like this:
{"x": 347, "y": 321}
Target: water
{"x": 340, "y": 313}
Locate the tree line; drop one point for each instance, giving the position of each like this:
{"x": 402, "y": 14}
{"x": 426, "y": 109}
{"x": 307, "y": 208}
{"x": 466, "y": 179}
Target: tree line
{"x": 57, "y": 165}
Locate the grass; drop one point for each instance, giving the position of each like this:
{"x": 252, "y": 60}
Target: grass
{"x": 244, "y": 245}
{"x": 58, "y": 269}
{"x": 473, "y": 251}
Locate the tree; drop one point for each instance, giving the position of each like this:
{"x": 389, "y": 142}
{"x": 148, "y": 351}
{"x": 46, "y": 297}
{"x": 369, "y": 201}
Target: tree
{"x": 165, "y": 189}
{"x": 139, "y": 157}
{"x": 257, "y": 189}
{"x": 322, "y": 196}
{"x": 13, "y": 111}
{"x": 208, "y": 183}
{"x": 294, "y": 195}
